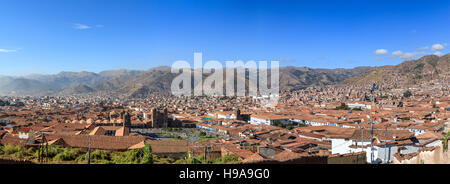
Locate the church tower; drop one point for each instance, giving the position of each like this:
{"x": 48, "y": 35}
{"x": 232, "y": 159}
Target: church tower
{"x": 127, "y": 119}
{"x": 166, "y": 122}
{"x": 238, "y": 114}
{"x": 154, "y": 118}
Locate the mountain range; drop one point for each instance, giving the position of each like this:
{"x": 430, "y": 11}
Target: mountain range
{"x": 140, "y": 83}
{"x": 406, "y": 73}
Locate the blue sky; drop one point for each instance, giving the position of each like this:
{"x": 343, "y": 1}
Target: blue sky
{"x": 49, "y": 36}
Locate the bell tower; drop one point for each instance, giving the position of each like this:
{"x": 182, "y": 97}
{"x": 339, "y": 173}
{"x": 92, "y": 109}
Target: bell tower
{"x": 127, "y": 119}
{"x": 238, "y": 114}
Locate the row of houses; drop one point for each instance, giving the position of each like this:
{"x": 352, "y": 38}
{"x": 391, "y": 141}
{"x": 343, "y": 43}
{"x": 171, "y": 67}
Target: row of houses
{"x": 295, "y": 120}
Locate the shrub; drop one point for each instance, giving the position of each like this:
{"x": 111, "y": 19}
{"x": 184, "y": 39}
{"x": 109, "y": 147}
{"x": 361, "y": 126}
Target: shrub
{"x": 96, "y": 157}
{"x": 192, "y": 160}
{"x": 445, "y": 141}
{"x": 67, "y": 155}
{"x": 100, "y": 155}
{"x": 136, "y": 156}
{"x": 10, "y": 149}
{"x": 180, "y": 161}
{"x": 229, "y": 159}
{"x": 52, "y": 151}
{"x": 166, "y": 160}
{"x": 17, "y": 151}
{"x": 58, "y": 154}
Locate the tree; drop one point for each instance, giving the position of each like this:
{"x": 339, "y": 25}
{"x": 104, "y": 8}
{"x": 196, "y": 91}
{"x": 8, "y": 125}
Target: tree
{"x": 357, "y": 109}
{"x": 19, "y": 104}
{"x": 227, "y": 159}
{"x": 4, "y": 103}
{"x": 148, "y": 156}
{"x": 277, "y": 123}
{"x": 407, "y": 94}
{"x": 342, "y": 107}
{"x": 136, "y": 156}
{"x": 289, "y": 127}
{"x": 445, "y": 141}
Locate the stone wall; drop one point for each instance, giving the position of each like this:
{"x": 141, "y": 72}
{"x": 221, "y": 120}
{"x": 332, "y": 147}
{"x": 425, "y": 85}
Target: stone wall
{"x": 350, "y": 158}
{"x": 430, "y": 155}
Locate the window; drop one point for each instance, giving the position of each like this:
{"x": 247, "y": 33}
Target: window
{"x": 110, "y": 133}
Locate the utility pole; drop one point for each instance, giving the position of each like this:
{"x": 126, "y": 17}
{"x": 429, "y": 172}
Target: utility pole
{"x": 385, "y": 144}
{"x": 205, "y": 154}
{"x": 43, "y": 148}
{"x": 39, "y": 149}
{"x": 89, "y": 150}
{"x": 362, "y": 138}
{"x": 46, "y": 150}
{"x": 374, "y": 86}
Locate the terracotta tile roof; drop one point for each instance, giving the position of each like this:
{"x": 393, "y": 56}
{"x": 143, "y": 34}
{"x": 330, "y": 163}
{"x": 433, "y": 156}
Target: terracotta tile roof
{"x": 138, "y": 145}
{"x": 59, "y": 142}
{"x": 12, "y": 139}
{"x": 98, "y": 141}
{"x": 168, "y": 146}
{"x": 233, "y": 149}
{"x": 429, "y": 135}
{"x": 24, "y": 129}
{"x": 286, "y": 155}
{"x": 123, "y": 131}
{"x": 98, "y": 131}
{"x": 364, "y": 134}
{"x": 253, "y": 158}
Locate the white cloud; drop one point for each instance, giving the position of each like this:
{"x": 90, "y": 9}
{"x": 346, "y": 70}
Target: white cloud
{"x": 84, "y": 26}
{"x": 6, "y": 50}
{"x": 406, "y": 55}
{"x": 397, "y": 53}
{"x": 438, "y": 53}
{"x": 81, "y": 26}
{"x": 424, "y": 48}
{"x": 380, "y": 51}
{"x": 437, "y": 47}
{"x": 378, "y": 58}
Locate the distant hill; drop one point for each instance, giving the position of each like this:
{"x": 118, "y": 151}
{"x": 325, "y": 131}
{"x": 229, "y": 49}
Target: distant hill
{"x": 158, "y": 80}
{"x": 140, "y": 83}
{"x": 120, "y": 73}
{"x": 78, "y": 89}
{"x": 155, "y": 80}
{"x": 20, "y": 86}
{"x": 292, "y": 78}
{"x": 37, "y": 84}
{"x": 409, "y": 72}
